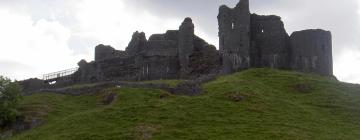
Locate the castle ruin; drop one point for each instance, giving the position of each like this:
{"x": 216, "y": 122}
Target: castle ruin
{"x": 245, "y": 41}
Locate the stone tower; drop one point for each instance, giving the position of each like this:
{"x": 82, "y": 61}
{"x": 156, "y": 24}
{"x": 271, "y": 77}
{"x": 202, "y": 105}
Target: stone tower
{"x": 312, "y": 51}
{"x": 234, "y": 36}
{"x": 186, "y": 44}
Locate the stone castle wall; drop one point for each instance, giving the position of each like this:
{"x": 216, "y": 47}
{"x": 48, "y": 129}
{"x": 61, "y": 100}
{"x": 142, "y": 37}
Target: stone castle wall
{"x": 234, "y": 36}
{"x": 173, "y": 55}
{"x": 245, "y": 41}
{"x": 263, "y": 41}
{"x": 269, "y": 42}
{"x": 312, "y": 51}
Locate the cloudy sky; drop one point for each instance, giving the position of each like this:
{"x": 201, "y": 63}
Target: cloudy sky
{"x": 42, "y": 36}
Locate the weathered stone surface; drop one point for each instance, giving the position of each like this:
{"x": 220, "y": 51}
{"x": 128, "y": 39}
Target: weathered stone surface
{"x": 205, "y": 59}
{"x": 270, "y": 44}
{"x": 245, "y": 41}
{"x": 103, "y": 52}
{"x": 186, "y": 44}
{"x": 32, "y": 85}
{"x": 137, "y": 43}
{"x": 234, "y": 36}
{"x": 312, "y": 51}
{"x": 160, "y": 59}
{"x": 173, "y": 55}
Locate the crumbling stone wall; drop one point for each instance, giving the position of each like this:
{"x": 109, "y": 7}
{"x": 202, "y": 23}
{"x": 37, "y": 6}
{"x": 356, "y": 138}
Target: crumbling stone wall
{"x": 186, "y": 45}
{"x": 108, "y": 70}
{"x": 33, "y": 84}
{"x": 312, "y": 51}
{"x": 175, "y": 54}
{"x": 205, "y": 59}
{"x": 103, "y": 52}
{"x": 234, "y": 36}
{"x": 245, "y": 41}
{"x": 270, "y": 45}
{"x": 160, "y": 58}
{"x": 137, "y": 43}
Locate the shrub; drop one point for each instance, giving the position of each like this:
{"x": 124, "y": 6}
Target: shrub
{"x": 10, "y": 94}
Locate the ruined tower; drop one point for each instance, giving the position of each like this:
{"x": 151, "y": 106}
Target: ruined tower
{"x": 245, "y": 41}
{"x": 186, "y": 44}
{"x": 270, "y": 44}
{"x": 257, "y": 41}
{"x": 234, "y": 34}
{"x": 312, "y": 51}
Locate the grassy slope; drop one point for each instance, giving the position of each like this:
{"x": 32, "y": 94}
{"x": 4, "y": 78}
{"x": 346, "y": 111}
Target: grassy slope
{"x": 272, "y": 109}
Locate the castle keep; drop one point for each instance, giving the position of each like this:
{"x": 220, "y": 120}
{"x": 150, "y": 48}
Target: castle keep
{"x": 250, "y": 40}
{"x": 245, "y": 41}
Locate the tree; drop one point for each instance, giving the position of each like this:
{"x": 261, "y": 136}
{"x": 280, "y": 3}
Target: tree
{"x": 10, "y": 94}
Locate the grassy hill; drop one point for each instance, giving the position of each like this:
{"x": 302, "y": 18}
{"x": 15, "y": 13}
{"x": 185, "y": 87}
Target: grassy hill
{"x": 254, "y": 104}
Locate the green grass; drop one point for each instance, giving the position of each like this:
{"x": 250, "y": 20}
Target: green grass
{"x": 171, "y": 83}
{"x": 79, "y": 86}
{"x": 272, "y": 108}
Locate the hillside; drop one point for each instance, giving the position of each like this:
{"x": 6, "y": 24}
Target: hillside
{"x": 253, "y": 104}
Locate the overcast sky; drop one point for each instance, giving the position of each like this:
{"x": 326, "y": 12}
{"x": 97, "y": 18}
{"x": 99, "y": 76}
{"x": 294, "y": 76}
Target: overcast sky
{"x": 43, "y": 36}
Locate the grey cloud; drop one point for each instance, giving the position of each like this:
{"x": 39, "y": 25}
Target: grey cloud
{"x": 10, "y": 68}
{"x": 341, "y": 17}
{"x": 81, "y": 45}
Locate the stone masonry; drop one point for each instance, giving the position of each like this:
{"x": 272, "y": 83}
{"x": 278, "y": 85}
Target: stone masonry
{"x": 173, "y": 55}
{"x": 234, "y": 36}
{"x": 256, "y": 41}
{"x": 312, "y": 51}
{"x": 245, "y": 41}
